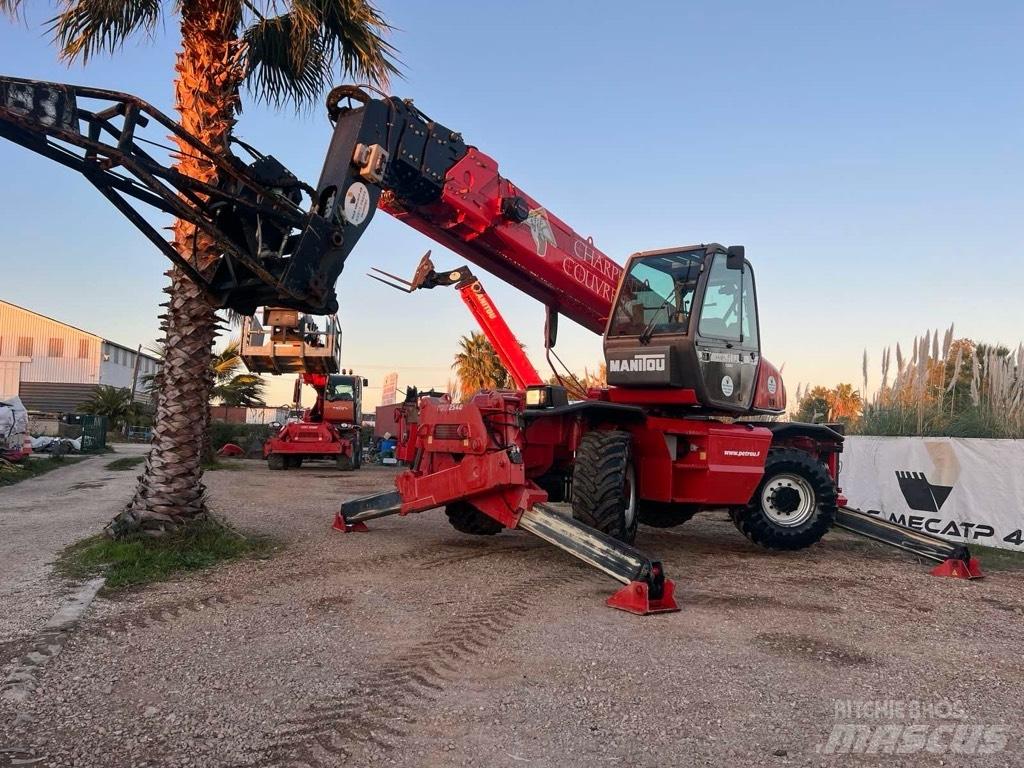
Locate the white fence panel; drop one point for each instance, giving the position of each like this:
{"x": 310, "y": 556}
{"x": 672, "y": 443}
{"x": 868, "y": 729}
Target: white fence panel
{"x": 969, "y": 490}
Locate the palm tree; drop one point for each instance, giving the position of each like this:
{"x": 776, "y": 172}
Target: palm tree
{"x": 286, "y": 52}
{"x": 845, "y": 403}
{"x": 477, "y": 365}
{"x": 244, "y": 389}
{"x": 113, "y": 402}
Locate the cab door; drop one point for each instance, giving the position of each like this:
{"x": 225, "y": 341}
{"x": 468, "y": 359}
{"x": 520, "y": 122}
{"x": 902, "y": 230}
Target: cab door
{"x": 726, "y": 340}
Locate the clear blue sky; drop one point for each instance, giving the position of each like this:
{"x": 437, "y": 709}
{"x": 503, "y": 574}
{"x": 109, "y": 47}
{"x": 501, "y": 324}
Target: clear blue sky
{"x": 869, "y": 155}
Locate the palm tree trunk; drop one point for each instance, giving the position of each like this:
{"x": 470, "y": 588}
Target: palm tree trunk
{"x": 170, "y": 490}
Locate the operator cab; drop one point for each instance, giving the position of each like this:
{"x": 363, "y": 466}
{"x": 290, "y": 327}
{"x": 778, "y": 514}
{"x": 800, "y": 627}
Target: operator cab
{"x": 343, "y": 396}
{"x": 687, "y": 318}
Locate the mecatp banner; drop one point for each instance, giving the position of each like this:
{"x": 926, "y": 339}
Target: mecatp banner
{"x": 969, "y": 490}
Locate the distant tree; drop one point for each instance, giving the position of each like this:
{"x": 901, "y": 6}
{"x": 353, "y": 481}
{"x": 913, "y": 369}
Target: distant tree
{"x": 245, "y": 390}
{"x": 842, "y": 403}
{"x": 577, "y": 385}
{"x": 845, "y": 404}
{"x": 225, "y": 364}
{"x": 477, "y": 366}
{"x": 814, "y": 405}
{"x": 113, "y": 402}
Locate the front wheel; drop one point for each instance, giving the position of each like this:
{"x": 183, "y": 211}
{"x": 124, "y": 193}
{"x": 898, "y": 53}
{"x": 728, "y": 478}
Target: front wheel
{"x": 604, "y": 484}
{"x": 276, "y": 461}
{"x": 794, "y": 505}
{"x": 659, "y": 514}
{"x": 466, "y": 518}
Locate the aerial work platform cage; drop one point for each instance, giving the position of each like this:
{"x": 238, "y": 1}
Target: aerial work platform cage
{"x": 289, "y": 342}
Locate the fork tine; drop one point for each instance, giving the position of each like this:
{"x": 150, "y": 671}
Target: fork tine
{"x": 390, "y": 284}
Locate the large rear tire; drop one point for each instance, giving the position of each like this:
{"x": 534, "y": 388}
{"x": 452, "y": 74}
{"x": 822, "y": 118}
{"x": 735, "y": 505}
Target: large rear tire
{"x": 466, "y": 518}
{"x": 604, "y": 484}
{"x": 344, "y": 462}
{"x": 659, "y": 514}
{"x": 794, "y": 505}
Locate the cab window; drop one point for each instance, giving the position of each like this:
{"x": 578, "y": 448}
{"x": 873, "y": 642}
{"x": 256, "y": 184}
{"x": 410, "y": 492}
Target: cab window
{"x": 657, "y": 295}
{"x": 729, "y": 311}
{"x": 340, "y": 390}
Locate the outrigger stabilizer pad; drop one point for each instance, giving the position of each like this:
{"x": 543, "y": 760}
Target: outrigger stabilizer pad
{"x": 955, "y": 568}
{"x": 636, "y": 598}
{"x": 345, "y": 527}
{"x": 643, "y": 598}
{"x": 354, "y": 513}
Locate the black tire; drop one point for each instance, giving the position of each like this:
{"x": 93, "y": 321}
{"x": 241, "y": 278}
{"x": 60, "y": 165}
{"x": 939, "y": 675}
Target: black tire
{"x": 344, "y": 462}
{"x": 357, "y": 455}
{"x": 555, "y": 483}
{"x": 661, "y": 514}
{"x": 293, "y": 462}
{"x": 603, "y": 484}
{"x": 277, "y": 461}
{"x": 466, "y": 518}
{"x": 792, "y": 519}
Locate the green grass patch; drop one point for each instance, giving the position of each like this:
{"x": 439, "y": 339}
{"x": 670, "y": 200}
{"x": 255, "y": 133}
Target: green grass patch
{"x": 143, "y": 559}
{"x": 15, "y": 473}
{"x": 996, "y": 559}
{"x": 126, "y": 462}
{"x": 221, "y": 465}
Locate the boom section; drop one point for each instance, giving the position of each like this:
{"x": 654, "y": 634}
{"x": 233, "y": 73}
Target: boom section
{"x": 386, "y": 152}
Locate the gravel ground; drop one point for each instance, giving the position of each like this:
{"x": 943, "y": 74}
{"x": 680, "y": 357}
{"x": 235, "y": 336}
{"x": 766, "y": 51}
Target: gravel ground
{"x": 414, "y": 645}
{"x": 38, "y": 519}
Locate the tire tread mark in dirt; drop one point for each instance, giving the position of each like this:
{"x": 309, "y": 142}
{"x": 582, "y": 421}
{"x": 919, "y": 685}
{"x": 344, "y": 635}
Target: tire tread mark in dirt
{"x": 161, "y": 613}
{"x": 380, "y": 705}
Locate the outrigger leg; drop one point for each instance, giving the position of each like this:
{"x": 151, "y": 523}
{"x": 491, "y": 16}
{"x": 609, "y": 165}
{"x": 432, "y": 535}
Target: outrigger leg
{"x": 954, "y": 560}
{"x": 646, "y": 589}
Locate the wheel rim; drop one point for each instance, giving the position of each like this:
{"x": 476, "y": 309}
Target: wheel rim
{"x": 629, "y": 513}
{"x": 788, "y": 500}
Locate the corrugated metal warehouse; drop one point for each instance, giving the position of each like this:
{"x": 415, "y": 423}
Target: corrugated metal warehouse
{"x": 54, "y": 367}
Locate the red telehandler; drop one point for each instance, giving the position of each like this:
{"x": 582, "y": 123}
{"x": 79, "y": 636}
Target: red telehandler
{"x": 667, "y": 437}
{"x": 287, "y": 342}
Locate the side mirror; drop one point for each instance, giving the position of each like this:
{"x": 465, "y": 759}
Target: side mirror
{"x": 734, "y": 256}
{"x": 550, "y": 327}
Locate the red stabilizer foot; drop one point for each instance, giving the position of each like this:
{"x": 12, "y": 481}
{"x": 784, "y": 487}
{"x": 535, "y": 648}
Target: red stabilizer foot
{"x": 635, "y": 598}
{"x": 341, "y": 525}
{"x": 959, "y": 569}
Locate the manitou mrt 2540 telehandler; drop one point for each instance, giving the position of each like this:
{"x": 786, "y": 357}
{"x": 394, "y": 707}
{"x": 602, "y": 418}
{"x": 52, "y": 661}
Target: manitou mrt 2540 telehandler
{"x": 665, "y": 439}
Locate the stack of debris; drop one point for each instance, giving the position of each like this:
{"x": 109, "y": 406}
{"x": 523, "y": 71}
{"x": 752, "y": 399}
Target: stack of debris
{"x": 15, "y": 442}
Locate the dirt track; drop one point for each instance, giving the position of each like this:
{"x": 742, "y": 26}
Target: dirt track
{"x": 415, "y": 645}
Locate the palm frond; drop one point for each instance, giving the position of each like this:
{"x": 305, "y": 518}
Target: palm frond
{"x": 296, "y": 56}
{"x": 11, "y": 8}
{"x": 87, "y": 27}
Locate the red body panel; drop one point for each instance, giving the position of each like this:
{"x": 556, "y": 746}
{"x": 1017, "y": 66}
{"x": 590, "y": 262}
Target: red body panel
{"x": 303, "y": 438}
{"x": 627, "y": 396}
{"x": 769, "y": 391}
{"x": 698, "y": 462}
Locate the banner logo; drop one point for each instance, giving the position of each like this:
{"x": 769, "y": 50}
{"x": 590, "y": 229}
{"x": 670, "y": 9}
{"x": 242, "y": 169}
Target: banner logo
{"x": 921, "y": 494}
